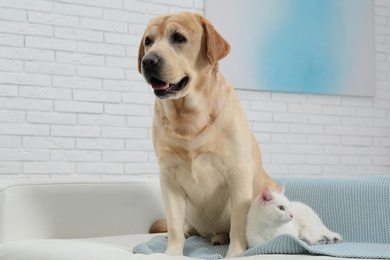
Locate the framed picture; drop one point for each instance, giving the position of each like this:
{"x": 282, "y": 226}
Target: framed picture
{"x": 306, "y": 46}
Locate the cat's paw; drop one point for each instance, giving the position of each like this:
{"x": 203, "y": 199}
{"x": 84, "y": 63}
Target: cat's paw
{"x": 332, "y": 238}
{"x": 325, "y": 239}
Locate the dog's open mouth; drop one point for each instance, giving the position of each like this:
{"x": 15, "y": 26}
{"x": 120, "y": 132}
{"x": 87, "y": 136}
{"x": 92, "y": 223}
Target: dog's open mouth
{"x": 162, "y": 89}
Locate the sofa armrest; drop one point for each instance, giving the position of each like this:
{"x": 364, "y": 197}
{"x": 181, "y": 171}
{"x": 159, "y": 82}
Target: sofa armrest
{"x": 77, "y": 208}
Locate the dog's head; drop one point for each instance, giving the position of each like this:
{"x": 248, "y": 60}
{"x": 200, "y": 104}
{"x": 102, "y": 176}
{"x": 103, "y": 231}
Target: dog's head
{"x": 175, "y": 49}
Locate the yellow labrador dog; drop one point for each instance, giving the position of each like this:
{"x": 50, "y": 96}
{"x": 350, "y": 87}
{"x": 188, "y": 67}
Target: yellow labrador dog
{"x": 210, "y": 163}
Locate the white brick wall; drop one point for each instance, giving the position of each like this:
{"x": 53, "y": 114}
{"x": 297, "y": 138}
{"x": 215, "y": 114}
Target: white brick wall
{"x": 73, "y": 103}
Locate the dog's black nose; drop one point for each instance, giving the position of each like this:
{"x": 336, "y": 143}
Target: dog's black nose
{"x": 150, "y": 61}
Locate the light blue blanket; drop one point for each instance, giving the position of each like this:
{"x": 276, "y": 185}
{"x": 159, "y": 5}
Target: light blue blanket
{"x": 357, "y": 207}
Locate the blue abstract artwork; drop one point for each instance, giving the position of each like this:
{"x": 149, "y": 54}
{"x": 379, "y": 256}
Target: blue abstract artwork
{"x": 307, "y": 46}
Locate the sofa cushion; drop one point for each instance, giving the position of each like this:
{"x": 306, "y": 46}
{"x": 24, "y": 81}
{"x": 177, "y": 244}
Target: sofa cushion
{"x": 104, "y": 248}
{"x": 77, "y": 208}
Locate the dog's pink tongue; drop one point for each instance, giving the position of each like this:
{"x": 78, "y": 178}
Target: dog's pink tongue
{"x": 160, "y": 86}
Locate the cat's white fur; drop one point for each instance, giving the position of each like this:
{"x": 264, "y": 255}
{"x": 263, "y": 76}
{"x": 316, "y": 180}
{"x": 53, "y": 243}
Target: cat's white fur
{"x": 272, "y": 214}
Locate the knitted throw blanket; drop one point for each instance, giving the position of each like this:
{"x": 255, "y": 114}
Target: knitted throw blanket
{"x": 358, "y": 208}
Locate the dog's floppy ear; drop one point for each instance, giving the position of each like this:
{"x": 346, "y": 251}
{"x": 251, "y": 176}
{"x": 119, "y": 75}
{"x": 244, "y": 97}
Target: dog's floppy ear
{"x": 217, "y": 46}
{"x": 141, "y": 54}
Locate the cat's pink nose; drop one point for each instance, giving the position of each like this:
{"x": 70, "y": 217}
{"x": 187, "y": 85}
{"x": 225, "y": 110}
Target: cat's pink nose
{"x": 291, "y": 215}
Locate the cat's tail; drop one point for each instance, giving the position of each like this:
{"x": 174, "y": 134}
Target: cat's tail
{"x": 159, "y": 226}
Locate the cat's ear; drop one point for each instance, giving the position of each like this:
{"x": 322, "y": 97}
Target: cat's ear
{"x": 281, "y": 189}
{"x": 265, "y": 195}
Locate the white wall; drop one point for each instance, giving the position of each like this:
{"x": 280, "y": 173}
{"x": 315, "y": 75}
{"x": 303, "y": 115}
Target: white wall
{"x": 72, "y": 101}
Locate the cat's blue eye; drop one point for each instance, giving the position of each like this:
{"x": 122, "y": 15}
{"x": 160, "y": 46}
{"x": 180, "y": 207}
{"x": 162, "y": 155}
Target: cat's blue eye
{"x": 281, "y": 208}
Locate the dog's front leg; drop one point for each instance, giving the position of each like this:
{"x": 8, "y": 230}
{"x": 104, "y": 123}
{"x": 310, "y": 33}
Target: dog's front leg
{"x": 241, "y": 196}
{"x": 175, "y": 204}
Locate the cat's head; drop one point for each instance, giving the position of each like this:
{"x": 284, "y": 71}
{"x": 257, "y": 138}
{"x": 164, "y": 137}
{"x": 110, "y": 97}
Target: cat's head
{"x": 275, "y": 204}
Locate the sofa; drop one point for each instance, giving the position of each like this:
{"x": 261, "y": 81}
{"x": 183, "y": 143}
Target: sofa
{"x": 101, "y": 219}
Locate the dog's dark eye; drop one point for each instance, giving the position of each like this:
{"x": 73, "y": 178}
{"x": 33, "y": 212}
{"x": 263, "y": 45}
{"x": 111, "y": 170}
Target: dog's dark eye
{"x": 281, "y": 208}
{"x": 178, "y": 38}
{"x": 148, "y": 41}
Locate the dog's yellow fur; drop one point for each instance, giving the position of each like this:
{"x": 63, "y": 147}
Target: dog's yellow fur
{"x": 210, "y": 162}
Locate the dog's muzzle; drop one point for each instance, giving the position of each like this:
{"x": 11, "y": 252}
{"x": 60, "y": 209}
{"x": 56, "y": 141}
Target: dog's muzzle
{"x": 151, "y": 69}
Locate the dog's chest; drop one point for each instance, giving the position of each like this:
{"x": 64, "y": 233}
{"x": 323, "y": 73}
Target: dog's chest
{"x": 201, "y": 166}
{"x": 201, "y": 174}
{"x": 201, "y": 163}
{"x": 206, "y": 184}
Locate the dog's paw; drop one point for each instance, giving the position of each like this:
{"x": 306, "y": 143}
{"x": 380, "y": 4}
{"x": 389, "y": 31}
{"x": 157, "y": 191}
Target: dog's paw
{"x": 234, "y": 253}
{"x": 174, "y": 251}
{"x": 236, "y": 249}
{"x": 190, "y": 231}
{"x": 175, "y": 248}
{"x": 220, "y": 239}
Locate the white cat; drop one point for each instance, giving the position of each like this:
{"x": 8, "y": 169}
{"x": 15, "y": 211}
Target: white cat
{"x": 272, "y": 214}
